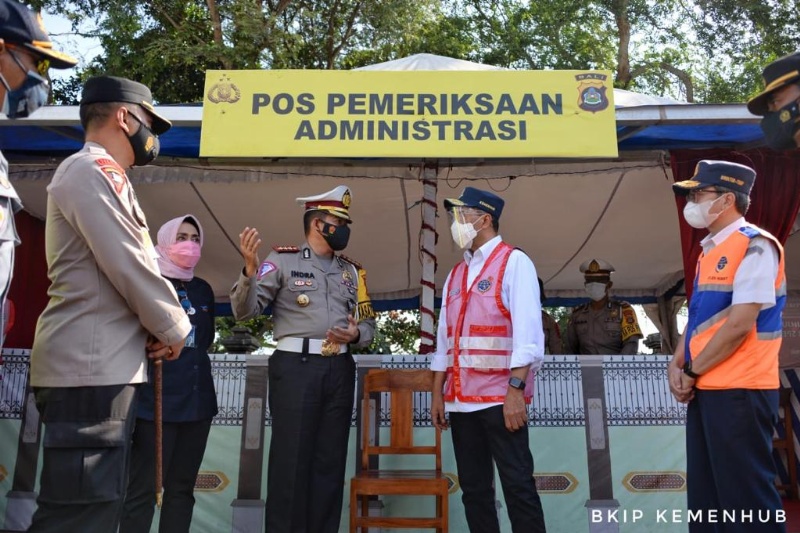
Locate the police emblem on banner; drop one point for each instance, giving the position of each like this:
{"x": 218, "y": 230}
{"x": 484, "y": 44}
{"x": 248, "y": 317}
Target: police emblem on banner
{"x": 722, "y": 263}
{"x": 224, "y": 91}
{"x": 592, "y": 92}
{"x": 485, "y": 284}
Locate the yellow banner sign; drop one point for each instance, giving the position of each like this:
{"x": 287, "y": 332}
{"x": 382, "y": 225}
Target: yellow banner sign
{"x": 319, "y": 113}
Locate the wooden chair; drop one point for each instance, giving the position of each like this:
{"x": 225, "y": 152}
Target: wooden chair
{"x": 787, "y": 443}
{"x": 400, "y": 384}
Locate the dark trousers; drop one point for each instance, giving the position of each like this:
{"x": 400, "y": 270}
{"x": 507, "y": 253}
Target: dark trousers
{"x": 183, "y": 447}
{"x": 478, "y": 438}
{"x": 729, "y": 463}
{"x": 87, "y": 435}
{"x": 311, "y": 402}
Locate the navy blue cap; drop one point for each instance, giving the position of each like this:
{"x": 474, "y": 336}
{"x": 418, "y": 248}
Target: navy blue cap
{"x": 483, "y": 200}
{"x": 733, "y": 176}
{"x": 21, "y": 26}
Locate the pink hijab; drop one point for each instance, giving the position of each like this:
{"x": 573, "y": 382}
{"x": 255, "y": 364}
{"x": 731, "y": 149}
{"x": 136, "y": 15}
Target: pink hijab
{"x": 167, "y": 236}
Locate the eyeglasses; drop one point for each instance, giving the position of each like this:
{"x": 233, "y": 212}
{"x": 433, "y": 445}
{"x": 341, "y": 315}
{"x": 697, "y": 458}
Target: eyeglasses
{"x": 692, "y": 196}
{"x": 42, "y": 64}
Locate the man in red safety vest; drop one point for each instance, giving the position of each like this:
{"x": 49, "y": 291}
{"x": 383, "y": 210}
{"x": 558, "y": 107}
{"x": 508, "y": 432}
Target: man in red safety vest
{"x": 490, "y": 344}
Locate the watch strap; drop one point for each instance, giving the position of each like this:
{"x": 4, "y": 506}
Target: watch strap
{"x": 516, "y": 383}
{"x": 687, "y": 369}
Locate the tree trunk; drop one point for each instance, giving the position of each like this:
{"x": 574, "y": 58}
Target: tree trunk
{"x": 216, "y": 24}
{"x": 620, "y": 10}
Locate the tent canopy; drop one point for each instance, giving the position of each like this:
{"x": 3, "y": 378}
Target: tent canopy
{"x": 561, "y": 212}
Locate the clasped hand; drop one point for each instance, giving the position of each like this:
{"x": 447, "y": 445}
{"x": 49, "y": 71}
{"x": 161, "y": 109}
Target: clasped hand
{"x": 158, "y": 350}
{"x": 346, "y": 335}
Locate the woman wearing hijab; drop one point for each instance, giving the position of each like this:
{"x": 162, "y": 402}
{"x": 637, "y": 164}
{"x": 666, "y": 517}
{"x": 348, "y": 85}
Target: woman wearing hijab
{"x": 189, "y": 399}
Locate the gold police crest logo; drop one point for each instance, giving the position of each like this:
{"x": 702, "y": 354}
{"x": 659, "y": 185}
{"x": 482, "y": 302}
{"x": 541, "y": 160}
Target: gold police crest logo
{"x": 346, "y": 199}
{"x": 224, "y": 91}
{"x": 592, "y": 91}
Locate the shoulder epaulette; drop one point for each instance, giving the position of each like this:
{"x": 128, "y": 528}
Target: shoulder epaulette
{"x": 747, "y": 231}
{"x": 581, "y": 307}
{"x": 351, "y": 261}
{"x": 286, "y": 249}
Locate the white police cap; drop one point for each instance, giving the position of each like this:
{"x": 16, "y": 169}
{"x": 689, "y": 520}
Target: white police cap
{"x": 597, "y": 269}
{"x": 335, "y": 202}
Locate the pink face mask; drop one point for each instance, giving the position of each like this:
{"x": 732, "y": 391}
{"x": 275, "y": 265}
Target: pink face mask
{"x": 185, "y": 254}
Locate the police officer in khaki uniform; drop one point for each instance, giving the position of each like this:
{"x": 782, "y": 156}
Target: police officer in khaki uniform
{"x": 320, "y": 308}
{"x": 26, "y": 54}
{"x": 109, "y": 310}
{"x": 602, "y": 326}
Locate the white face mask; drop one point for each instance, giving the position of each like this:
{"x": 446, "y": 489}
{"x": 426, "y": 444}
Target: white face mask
{"x": 596, "y": 291}
{"x": 463, "y": 233}
{"x": 697, "y": 214}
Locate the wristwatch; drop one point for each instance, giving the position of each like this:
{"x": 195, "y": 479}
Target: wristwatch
{"x": 517, "y": 383}
{"x": 687, "y": 369}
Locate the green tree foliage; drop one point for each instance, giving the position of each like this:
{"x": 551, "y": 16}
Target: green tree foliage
{"x": 169, "y": 44}
{"x": 699, "y": 50}
{"x": 397, "y": 332}
{"x": 259, "y": 327}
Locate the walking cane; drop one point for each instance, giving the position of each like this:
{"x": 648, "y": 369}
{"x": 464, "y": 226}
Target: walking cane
{"x": 158, "y": 375}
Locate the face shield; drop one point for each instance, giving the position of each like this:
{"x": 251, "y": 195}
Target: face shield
{"x": 462, "y": 225}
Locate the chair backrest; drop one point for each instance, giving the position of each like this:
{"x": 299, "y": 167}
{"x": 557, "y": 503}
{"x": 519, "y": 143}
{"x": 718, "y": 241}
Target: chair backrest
{"x": 401, "y": 386}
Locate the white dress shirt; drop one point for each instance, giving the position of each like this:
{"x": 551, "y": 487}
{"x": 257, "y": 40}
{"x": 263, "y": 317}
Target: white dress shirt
{"x": 520, "y": 295}
{"x": 751, "y": 285}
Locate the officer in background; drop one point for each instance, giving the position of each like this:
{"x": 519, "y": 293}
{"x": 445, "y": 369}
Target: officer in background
{"x": 320, "y": 308}
{"x": 552, "y": 333}
{"x": 109, "y": 310}
{"x": 26, "y": 54}
{"x": 602, "y": 326}
{"x": 779, "y": 103}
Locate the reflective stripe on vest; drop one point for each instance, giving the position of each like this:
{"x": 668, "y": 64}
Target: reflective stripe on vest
{"x": 754, "y": 364}
{"x": 480, "y": 334}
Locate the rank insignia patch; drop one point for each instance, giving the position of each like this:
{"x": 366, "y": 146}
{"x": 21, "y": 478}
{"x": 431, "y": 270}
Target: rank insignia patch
{"x": 113, "y": 173}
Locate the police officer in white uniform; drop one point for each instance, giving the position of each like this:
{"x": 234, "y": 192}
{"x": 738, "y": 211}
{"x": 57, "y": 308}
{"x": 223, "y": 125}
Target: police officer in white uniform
{"x": 602, "y": 326}
{"x": 26, "y": 54}
{"x": 320, "y": 308}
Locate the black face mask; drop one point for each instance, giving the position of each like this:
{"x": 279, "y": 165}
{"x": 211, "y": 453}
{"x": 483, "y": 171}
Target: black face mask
{"x": 144, "y": 143}
{"x": 780, "y": 126}
{"x": 336, "y": 236}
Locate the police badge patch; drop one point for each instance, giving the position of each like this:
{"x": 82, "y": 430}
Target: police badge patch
{"x": 485, "y": 284}
{"x": 592, "y": 90}
{"x": 722, "y": 263}
{"x": 265, "y": 268}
